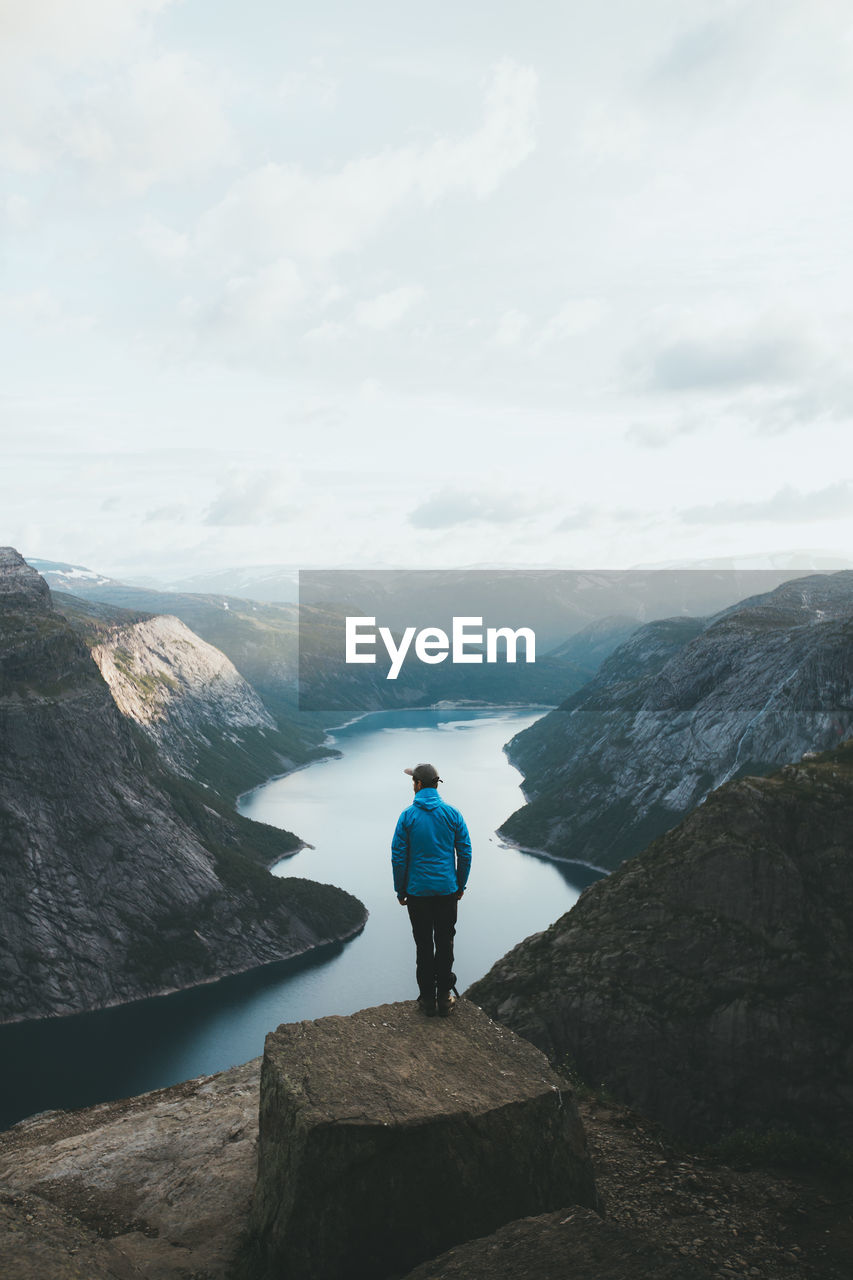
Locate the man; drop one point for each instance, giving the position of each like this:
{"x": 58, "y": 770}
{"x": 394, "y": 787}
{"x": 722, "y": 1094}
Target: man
{"x": 431, "y": 859}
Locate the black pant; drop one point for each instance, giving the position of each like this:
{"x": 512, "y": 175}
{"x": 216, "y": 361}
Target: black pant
{"x": 434, "y": 926}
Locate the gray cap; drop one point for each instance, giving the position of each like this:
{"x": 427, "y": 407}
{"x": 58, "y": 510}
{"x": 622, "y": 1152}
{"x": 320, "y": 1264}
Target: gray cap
{"x": 425, "y": 774}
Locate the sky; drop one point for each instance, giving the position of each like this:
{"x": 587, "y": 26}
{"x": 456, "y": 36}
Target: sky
{"x": 552, "y": 284}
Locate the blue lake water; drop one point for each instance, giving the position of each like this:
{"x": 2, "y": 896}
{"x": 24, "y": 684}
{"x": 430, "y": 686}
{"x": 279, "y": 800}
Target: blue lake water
{"x": 346, "y": 809}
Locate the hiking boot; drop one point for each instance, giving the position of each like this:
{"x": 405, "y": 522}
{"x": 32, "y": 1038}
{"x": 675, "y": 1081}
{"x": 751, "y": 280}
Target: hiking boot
{"x": 446, "y": 1001}
{"x": 426, "y": 1004}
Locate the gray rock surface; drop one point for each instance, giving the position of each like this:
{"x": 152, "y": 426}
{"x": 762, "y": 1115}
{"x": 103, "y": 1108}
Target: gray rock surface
{"x": 117, "y": 879}
{"x": 709, "y": 982}
{"x": 572, "y": 1244}
{"x": 173, "y": 683}
{"x": 206, "y": 721}
{"x": 386, "y": 1137}
{"x": 156, "y": 1186}
{"x": 682, "y": 706}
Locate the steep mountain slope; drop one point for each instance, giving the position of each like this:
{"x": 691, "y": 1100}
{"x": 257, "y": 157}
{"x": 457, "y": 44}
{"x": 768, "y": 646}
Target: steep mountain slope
{"x": 682, "y": 706}
{"x": 260, "y": 639}
{"x": 709, "y": 981}
{"x": 206, "y": 721}
{"x": 118, "y": 879}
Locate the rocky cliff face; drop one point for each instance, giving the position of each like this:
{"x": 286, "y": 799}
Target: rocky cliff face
{"x": 206, "y": 721}
{"x": 709, "y": 982}
{"x": 684, "y": 705}
{"x": 117, "y": 880}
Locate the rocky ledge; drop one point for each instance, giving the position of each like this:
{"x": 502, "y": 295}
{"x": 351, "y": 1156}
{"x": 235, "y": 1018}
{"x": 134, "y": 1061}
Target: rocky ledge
{"x": 160, "y": 1186}
{"x": 386, "y": 1137}
{"x": 709, "y": 982}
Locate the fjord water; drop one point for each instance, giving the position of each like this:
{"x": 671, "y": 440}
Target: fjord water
{"x": 346, "y": 808}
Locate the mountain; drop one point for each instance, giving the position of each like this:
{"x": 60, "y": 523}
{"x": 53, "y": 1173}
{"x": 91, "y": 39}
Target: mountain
{"x": 269, "y": 583}
{"x": 205, "y": 719}
{"x": 261, "y": 640}
{"x": 682, "y": 706}
{"x": 709, "y": 981}
{"x": 119, "y": 879}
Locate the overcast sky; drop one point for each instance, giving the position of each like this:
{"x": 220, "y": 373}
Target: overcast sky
{"x": 553, "y": 283}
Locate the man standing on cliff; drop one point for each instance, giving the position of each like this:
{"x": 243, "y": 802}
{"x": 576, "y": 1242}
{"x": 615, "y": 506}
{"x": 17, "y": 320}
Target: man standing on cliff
{"x": 431, "y": 859}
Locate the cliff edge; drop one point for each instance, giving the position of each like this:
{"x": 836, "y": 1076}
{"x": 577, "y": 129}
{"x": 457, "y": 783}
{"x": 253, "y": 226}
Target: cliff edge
{"x": 709, "y": 981}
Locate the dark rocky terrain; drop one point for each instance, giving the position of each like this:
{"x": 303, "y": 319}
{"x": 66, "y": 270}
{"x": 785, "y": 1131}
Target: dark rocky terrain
{"x": 160, "y": 1187}
{"x": 682, "y": 706}
{"x": 117, "y": 878}
{"x": 385, "y": 1137}
{"x": 709, "y": 981}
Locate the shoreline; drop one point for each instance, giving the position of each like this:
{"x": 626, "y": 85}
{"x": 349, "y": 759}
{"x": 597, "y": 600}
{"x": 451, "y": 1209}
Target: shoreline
{"x": 332, "y": 753}
{"x": 551, "y": 857}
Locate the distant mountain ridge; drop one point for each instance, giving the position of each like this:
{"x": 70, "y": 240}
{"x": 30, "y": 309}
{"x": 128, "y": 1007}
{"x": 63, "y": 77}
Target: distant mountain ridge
{"x": 117, "y": 878}
{"x": 683, "y": 705}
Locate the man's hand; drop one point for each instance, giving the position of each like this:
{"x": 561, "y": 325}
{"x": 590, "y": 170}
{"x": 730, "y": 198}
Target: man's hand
{"x": 459, "y": 893}
{"x": 402, "y": 899}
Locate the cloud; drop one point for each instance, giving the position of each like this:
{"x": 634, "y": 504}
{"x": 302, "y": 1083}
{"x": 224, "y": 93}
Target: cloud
{"x": 582, "y": 518}
{"x": 161, "y": 121}
{"x": 68, "y": 34}
{"x": 388, "y": 309}
{"x": 254, "y": 305}
{"x": 703, "y": 50}
{"x": 512, "y": 327}
{"x": 280, "y": 209}
{"x": 312, "y": 88}
{"x": 787, "y": 506}
{"x": 449, "y": 508}
{"x": 162, "y": 242}
{"x": 657, "y": 435}
{"x": 41, "y": 311}
{"x": 726, "y": 362}
{"x": 252, "y": 499}
{"x": 574, "y": 318}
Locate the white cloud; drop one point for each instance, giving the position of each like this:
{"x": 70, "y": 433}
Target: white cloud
{"x": 84, "y": 31}
{"x": 787, "y": 506}
{"x": 512, "y": 327}
{"x": 163, "y": 242}
{"x": 41, "y": 311}
{"x": 281, "y": 209}
{"x": 311, "y": 88}
{"x": 388, "y": 309}
{"x": 161, "y": 122}
{"x": 452, "y": 507}
{"x": 258, "y": 302}
{"x": 18, "y": 212}
{"x": 575, "y": 317}
{"x": 253, "y": 498}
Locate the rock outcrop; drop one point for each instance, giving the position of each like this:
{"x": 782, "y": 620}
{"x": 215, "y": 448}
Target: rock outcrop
{"x": 159, "y": 1187}
{"x": 709, "y": 981}
{"x": 117, "y": 879}
{"x": 386, "y": 1137}
{"x": 682, "y": 706}
{"x": 155, "y": 1186}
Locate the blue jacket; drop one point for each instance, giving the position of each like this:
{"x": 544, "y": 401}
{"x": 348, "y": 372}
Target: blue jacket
{"x": 432, "y": 842}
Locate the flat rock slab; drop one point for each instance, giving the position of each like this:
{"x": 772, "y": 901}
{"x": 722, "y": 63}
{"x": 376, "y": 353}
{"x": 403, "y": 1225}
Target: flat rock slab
{"x": 387, "y": 1137}
{"x": 157, "y": 1185}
